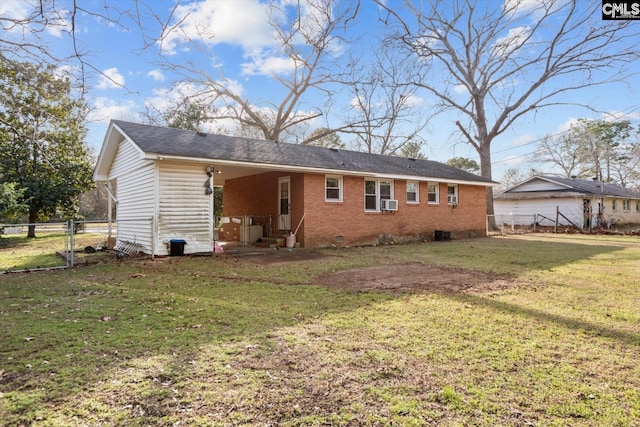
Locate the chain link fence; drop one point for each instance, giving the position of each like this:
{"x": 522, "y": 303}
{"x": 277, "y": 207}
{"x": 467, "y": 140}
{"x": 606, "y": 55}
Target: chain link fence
{"x": 67, "y": 244}
{"x": 95, "y": 240}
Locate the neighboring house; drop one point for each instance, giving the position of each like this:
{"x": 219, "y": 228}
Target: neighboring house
{"x": 327, "y": 196}
{"x": 578, "y": 202}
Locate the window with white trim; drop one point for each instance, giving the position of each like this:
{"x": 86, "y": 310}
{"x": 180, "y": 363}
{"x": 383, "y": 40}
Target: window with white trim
{"x": 626, "y": 205}
{"x": 614, "y": 205}
{"x": 638, "y": 206}
{"x": 452, "y": 194}
{"x": 333, "y": 188}
{"x": 376, "y": 190}
{"x": 413, "y": 193}
{"x": 432, "y": 193}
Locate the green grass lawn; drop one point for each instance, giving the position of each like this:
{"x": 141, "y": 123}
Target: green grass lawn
{"x": 17, "y": 252}
{"x": 224, "y": 341}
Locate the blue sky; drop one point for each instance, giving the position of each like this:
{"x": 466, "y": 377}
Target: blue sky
{"x": 240, "y": 47}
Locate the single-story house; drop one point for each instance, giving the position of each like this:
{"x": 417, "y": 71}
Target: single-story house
{"x": 323, "y": 196}
{"x": 578, "y": 202}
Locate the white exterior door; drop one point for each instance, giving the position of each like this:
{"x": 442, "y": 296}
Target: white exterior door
{"x": 284, "y": 203}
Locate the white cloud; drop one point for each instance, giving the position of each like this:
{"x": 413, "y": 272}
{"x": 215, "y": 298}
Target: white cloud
{"x": 612, "y": 116}
{"x": 268, "y": 66}
{"x": 156, "y": 75}
{"x": 59, "y": 23}
{"x": 105, "y": 109}
{"x": 240, "y": 22}
{"x": 567, "y": 125}
{"x": 168, "y": 98}
{"x": 522, "y": 140}
{"x": 514, "y": 160}
{"x": 245, "y": 24}
{"x": 460, "y": 89}
{"x": 534, "y": 9}
{"x": 414, "y": 101}
{"x": 16, "y": 9}
{"x": 235, "y": 87}
{"x": 20, "y": 16}
{"x": 111, "y": 79}
{"x": 510, "y": 43}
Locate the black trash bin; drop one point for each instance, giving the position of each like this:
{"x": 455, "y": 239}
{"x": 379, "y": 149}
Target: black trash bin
{"x": 440, "y": 235}
{"x": 176, "y": 247}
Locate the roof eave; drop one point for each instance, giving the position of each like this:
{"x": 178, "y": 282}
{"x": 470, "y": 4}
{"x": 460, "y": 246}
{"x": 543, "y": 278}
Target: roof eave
{"x": 308, "y": 169}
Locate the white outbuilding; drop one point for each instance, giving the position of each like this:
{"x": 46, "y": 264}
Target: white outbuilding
{"x": 544, "y": 199}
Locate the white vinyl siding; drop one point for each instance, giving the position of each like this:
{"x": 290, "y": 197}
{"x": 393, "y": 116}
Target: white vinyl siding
{"x": 135, "y": 180}
{"x": 522, "y": 212}
{"x": 539, "y": 185}
{"x": 173, "y": 194}
{"x": 184, "y": 210}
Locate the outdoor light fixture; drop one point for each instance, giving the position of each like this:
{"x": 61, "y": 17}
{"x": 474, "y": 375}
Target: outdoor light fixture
{"x": 207, "y": 184}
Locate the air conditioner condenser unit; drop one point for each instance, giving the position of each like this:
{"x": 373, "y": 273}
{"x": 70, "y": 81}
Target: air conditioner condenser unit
{"x": 388, "y": 205}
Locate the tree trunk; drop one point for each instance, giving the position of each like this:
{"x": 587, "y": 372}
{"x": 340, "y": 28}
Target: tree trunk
{"x": 485, "y": 172}
{"x": 31, "y": 231}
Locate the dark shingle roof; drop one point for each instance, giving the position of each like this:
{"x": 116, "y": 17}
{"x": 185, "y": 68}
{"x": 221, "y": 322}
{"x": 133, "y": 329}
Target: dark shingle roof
{"x": 189, "y": 144}
{"x": 582, "y": 186}
{"x": 595, "y": 187}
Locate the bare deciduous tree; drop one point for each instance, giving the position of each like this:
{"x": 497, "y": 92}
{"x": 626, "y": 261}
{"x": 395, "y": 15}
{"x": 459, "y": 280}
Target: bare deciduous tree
{"x": 495, "y": 62}
{"x": 307, "y": 42}
{"x": 26, "y": 27}
{"x": 604, "y": 150}
{"x": 188, "y": 113}
{"x": 383, "y": 113}
{"x": 513, "y": 176}
{"x": 560, "y": 151}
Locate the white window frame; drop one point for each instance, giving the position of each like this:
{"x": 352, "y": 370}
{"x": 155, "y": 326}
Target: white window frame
{"x": 454, "y": 193}
{"x": 437, "y": 193}
{"x": 626, "y": 205}
{"x": 614, "y": 205}
{"x": 327, "y": 188}
{"x": 417, "y": 192}
{"x": 377, "y": 194}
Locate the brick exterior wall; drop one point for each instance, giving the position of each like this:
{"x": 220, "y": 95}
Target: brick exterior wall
{"x": 257, "y": 195}
{"x": 347, "y": 223}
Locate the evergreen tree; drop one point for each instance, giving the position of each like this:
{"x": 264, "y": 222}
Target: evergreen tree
{"x": 42, "y": 135}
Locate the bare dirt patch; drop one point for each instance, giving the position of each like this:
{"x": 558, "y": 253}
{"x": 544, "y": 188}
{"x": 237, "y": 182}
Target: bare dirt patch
{"x": 417, "y": 278}
{"x": 280, "y": 256}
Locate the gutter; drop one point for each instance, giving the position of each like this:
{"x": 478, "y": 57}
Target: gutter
{"x": 307, "y": 169}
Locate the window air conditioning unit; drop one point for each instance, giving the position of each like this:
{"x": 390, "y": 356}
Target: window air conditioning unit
{"x": 388, "y": 205}
{"x": 452, "y": 200}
